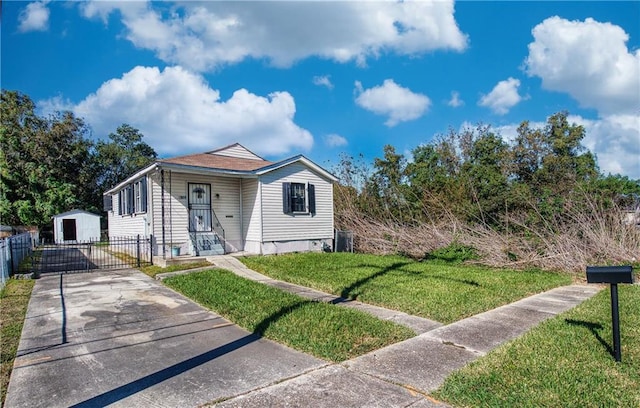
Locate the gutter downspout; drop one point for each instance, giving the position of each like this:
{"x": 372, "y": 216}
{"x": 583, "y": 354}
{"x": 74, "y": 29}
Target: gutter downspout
{"x": 164, "y": 243}
{"x": 170, "y": 212}
{"x": 242, "y": 234}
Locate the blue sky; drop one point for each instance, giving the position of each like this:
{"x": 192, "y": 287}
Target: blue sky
{"x": 324, "y": 78}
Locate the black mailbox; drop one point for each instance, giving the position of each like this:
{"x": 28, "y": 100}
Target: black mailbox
{"x": 612, "y": 275}
{"x": 609, "y": 274}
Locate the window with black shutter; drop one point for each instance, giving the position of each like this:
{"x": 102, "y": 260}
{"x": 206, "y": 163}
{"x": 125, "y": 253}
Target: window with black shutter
{"x": 298, "y": 198}
{"x": 107, "y": 203}
{"x": 129, "y": 190}
{"x": 140, "y": 196}
{"x": 143, "y": 194}
{"x": 132, "y": 199}
{"x": 286, "y": 198}
{"x": 126, "y": 200}
{"x": 312, "y": 199}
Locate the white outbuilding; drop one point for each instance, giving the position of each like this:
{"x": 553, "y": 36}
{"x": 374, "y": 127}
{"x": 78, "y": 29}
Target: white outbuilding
{"x": 76, "y": 226}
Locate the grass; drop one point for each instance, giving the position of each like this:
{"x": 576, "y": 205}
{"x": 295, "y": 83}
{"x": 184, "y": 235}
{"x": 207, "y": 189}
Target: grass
{"x": 153, "y": 270}
{"x": 432, "y": 289}
{"x": 28, "y": 263}
{"x": 564, "y": 362}
{"x": 323, "y": 330}
{"x": 123, "y": 256}
{"x": 14, "y": 299}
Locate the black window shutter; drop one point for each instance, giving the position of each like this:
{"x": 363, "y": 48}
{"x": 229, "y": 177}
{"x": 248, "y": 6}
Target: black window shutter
{"x": 286, "y": 198}
{"x": 312, "y": 199}
{"x": 107, "y": 203}
{"x": 120, "y": 203}
{"x": 130, "y": 199}
{"x": 143, "y": 194}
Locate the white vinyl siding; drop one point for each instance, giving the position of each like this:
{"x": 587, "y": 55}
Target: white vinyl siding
{"x": 128, "y": 225}
{"x": 237, "y": 151}
{"x": 251, "y": 218}
{"x": 278, "y": 226}
{"x": 121, "y": 224}
{"x": 225, "y": 202}
{"x": 175, "y": 210}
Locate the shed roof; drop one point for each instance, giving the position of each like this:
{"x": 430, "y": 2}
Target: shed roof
{"x": 74, "y": 212}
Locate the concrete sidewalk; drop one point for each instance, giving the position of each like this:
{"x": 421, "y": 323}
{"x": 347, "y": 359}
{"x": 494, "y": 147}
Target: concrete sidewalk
{"x": 401, "y": 375}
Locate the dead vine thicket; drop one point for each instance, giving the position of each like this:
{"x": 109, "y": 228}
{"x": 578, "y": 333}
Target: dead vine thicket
{"x": 587, "y": 235}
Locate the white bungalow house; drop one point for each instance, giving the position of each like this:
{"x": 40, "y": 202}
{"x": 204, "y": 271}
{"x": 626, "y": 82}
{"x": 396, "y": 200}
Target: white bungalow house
{"x": 226, "y": 200}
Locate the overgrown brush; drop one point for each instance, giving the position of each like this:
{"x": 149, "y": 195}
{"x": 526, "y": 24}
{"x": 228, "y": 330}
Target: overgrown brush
{"x": 536, "y": 201}
{"x": 586, "y": 234}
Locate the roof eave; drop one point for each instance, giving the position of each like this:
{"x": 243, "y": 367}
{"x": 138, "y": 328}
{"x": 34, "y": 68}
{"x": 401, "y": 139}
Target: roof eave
{"x": 299, "y": 158}
{"x": 129, "y": 179}
{"x": 207, "y": 170}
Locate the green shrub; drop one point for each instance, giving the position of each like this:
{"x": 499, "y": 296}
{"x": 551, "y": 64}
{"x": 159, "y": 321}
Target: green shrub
{"x": 454, "y": 252}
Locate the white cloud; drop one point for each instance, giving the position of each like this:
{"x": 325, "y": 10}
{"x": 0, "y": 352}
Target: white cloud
{"x": 455, "y": 101}
{"x": 615, "y": 139}
{"x": 206, "y": 35}
{"x": 34, "y": 17}
{"x": 390, "y": 99}
{"x": 101, "y": 9}
{"x": 502, "y": 97}
{"x": 335, "y": 140}
{"x": 324, "y": 80}
{"x": 588, "y": 60}
{"x": 178, "y": 112}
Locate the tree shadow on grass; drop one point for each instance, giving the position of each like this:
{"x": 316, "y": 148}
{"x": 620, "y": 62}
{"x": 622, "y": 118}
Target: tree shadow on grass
{"x": 347, "y": 293}
{"x": 463, "y": 281}
{"x": 594, "y": 329}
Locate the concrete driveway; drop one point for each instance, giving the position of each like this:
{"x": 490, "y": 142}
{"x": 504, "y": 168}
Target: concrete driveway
{"x": 120, "y": 338}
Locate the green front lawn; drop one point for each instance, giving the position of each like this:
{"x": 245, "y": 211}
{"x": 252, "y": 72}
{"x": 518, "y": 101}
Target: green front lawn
{"x": 564, "y": 362}
{"x": 323, "y": 330}
{"x": 14, "y": 299}
{"x": 431, "y": 289}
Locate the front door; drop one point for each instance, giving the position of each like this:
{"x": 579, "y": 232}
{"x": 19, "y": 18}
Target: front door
{"x": 199, "y": 207}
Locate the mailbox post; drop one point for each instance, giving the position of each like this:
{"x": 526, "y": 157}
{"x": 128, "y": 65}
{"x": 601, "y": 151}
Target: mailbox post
{"x": 612, "y": 275}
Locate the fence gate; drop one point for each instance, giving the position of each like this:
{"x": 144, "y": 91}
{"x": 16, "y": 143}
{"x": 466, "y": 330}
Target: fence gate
{"x": 117, "y": 253}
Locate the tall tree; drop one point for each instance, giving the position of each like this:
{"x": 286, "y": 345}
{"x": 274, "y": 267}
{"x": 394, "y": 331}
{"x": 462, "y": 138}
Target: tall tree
{"x": 43, "y": 162}
{"x": 122, "y": 156}
{"x": 387, "y": 183}
{"x": 485, "y": 171}
{"x": 553, "y": 159}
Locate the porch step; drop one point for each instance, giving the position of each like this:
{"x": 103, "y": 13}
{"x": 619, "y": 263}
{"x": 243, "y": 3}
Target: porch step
{"x": 215, "y": 249}
{"x": 207, "y": 243}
